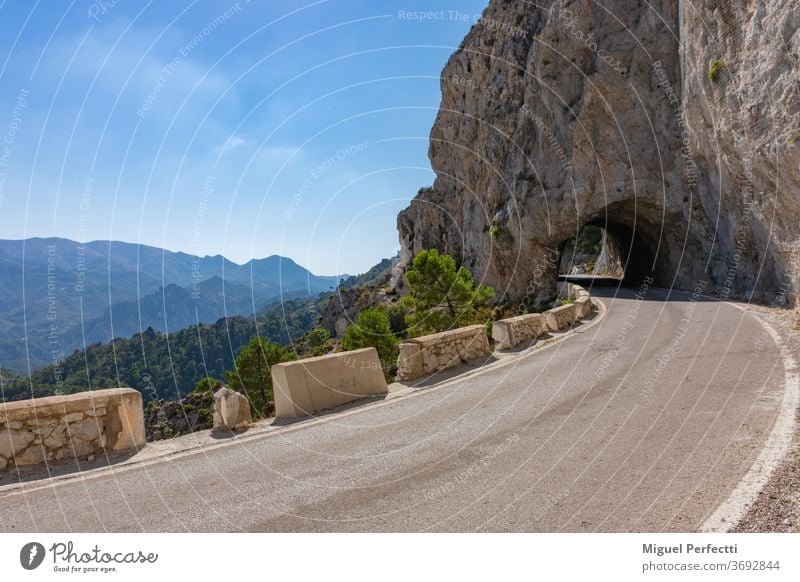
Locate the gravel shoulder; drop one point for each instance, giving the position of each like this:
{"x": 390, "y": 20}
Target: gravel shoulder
{"x": 777, "y": 507}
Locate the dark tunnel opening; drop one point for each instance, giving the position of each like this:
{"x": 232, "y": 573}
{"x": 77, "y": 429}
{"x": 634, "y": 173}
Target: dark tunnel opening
{"x": 608, "y": 250}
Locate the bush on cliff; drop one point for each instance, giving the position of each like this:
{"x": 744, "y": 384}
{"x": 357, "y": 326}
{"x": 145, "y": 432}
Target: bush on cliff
{"x": 443, "y": 296}
{"x": 372, "y": 329}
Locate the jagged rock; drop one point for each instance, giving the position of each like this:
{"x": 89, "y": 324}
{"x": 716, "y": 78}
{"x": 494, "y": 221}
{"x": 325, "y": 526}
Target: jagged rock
{"x": 231, "y": 409}
{"x": 605, "y": 113}
{"x": 171, "y": 418}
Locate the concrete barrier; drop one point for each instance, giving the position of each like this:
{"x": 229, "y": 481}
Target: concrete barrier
{"x": 433, "y": 353}
{"x": 308, "y": 386}
{"x": 561, "y": 317}
{"x": 70, "y": 426}
{"x": 508, "y": 333}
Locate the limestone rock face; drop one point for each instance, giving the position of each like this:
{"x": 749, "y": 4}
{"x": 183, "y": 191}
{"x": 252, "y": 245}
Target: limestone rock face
{"x": 606, "y": 113}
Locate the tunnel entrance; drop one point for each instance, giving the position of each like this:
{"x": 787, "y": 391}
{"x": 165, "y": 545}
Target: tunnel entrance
{"x": 607, "y": 250}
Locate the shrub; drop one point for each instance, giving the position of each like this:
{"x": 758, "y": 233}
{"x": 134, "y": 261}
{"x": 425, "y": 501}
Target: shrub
{"x": 373, "y": 330}
{"x": 566, "y": 300}
{"x": 714, "y": 70}
{"x": 318, "y": 336}
{"x": 251, "y": 374}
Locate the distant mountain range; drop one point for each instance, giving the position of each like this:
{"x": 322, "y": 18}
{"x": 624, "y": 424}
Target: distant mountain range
{"x": 59, "y": 294}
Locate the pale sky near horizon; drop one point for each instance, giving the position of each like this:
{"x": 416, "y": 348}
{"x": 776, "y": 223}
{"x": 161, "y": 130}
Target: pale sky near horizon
{"x": 237, "y": 128}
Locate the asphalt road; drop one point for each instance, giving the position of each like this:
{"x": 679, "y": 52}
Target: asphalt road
{"x": 643, "y": 422}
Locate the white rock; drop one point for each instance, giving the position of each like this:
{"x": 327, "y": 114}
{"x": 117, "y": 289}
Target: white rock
{"x": 231, "y": 409}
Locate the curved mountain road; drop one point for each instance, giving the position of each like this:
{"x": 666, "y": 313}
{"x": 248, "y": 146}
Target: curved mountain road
{"x": 646, "y": 421}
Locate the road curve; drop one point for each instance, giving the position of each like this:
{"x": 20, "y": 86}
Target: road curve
{"x": 646, "y": 421}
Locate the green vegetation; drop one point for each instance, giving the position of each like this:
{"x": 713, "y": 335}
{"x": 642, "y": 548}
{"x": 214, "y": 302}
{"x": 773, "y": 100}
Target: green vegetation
{"x": 494, "y": 231}
{"x": 714, "y": 70}
{"x": 251, "y": 374}
{"x": 590, "y": 240}
{"x": 373, "y": 329}
{"x": 318, "y": 336}
{"x": 795, "y": 139}
{"x": 566, "y": 300}
{"x": 442, "y": 295}
{"x": 160, "y": 366}
{"x": 164, "y": 366}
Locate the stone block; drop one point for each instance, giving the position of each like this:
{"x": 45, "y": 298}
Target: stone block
{"x": 513, "y": 331}
{"x": 33, "y": 455}
{"x": 561, "y": 318}
{"x": 73, "y": 416}
{"x": 583, "y": 306}
{"x": 13, "y": 442}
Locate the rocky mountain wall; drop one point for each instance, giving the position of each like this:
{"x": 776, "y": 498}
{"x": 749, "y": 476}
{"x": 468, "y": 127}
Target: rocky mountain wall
{"x": 673, "y": 125}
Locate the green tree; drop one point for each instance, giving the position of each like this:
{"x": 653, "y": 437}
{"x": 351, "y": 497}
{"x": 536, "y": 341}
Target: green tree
{"x": 318, "y": 336}
{"x": 252, "y": 376}
{"x": 442, "y": 295}
{"x": 372, "y": 330}
{"x": 206, "y": 384}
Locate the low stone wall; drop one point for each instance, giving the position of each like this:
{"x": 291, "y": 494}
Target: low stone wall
{"x": 571, "y": 289}
{"x": 561, "y": 317}
{"x": 508, "y": 333}
{"x": 583, "y": 305}
{"x": 433, "y": 353}
{"x": 511, "y": 332}
{"x": 72, "y": 426}
{"x": 308, "y": 386}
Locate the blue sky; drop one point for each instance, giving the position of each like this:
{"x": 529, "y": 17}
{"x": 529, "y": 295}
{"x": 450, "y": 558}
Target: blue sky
{"x": 245, "y": 129}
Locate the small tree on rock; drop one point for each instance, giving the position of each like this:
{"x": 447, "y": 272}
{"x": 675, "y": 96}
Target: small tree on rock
{"x": 442, "y": 295}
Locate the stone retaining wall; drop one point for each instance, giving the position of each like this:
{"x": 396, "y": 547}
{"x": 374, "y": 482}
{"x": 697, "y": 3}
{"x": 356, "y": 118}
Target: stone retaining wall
{"x": 511, "y": 332}
{"x": 308, "y": 386}
{"x": 433, "y": 353}
{"x": 562, "y": 317}
{"x": 70, "y": 427}
{"x": 508, "y": 333}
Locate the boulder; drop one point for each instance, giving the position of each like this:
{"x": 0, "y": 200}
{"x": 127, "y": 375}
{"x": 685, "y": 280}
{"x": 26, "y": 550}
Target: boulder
{"x": 231, "y": 409}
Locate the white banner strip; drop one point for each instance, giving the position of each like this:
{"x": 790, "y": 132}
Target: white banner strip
{"x": 402, "y": 557}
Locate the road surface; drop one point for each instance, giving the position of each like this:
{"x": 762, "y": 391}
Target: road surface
{"x": 644, "y": 422}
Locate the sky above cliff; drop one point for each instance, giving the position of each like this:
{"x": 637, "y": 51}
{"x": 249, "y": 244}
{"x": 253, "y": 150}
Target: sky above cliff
{"x": 244, "y": 129}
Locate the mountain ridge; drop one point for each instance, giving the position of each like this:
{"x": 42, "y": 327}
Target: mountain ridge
{"x": 52, "y": 289}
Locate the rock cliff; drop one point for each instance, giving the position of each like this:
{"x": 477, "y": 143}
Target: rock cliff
{"x": 674, "y": 125}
